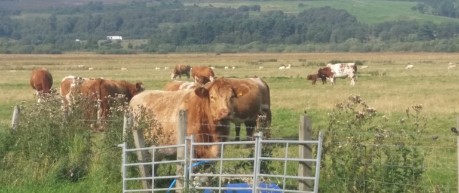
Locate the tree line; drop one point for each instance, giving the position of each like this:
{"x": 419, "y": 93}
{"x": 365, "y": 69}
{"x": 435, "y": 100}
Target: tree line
{"x": 170, "y": 26}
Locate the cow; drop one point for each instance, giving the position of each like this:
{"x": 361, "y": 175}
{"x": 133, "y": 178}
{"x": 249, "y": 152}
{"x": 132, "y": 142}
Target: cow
{"x": 69, "y": 88}
{"x": 247, "y": 108}
{"x": 179, "y": 70}
{"x": 202, "y": 74}
{"x": 409, "y": 67}
{"x": 339, "y": 70}
{"x": 313, "y": 78}
{"x": 208, "y": 110}
{"x": 41, "y": 81}
{"x": 99, "y": 91}
{"x": 179, "y": 85}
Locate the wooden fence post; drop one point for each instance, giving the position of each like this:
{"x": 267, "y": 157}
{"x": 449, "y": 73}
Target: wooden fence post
{"x": 139, "y": 142}
{"x": 181, "y": 133}
{"x": 15, "y": 119}
{"x": 305, "y": 132}
{"x": 457, "y": 149}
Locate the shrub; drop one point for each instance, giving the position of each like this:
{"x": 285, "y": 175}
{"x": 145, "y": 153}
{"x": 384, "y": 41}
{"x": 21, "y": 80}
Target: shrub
{"x": 365, "y": 151}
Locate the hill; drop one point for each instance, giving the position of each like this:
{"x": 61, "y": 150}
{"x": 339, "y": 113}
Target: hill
{"x": 164, "y": 26}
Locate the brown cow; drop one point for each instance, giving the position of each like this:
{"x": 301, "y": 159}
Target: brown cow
{"x": 202, "y": 74}
{"x": 250, "y": 106}
{"x": 325, "y": 73}
{"x": 41, "y": 81}
{"x": 99, "y": 90}
{"x": 208, "y": 107}
{"x": 247, "y": 108}
{"x": 181, "y": 69}
{"x": 313, "y": 78}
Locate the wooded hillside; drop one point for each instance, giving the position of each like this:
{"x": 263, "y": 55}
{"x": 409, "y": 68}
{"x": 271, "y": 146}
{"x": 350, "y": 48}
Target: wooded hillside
{"x": 224, "y": 26}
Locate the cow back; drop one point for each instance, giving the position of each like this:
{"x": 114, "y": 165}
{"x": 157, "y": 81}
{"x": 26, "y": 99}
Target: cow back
{"x": 41, "y": 80}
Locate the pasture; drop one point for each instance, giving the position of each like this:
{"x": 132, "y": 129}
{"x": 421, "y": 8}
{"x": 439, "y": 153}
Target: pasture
{"x": 385, "y": 85}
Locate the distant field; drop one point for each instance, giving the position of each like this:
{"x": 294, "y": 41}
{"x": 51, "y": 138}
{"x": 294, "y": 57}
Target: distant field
{"x": 385, "y": 83}
{"x": 369, "y": 12}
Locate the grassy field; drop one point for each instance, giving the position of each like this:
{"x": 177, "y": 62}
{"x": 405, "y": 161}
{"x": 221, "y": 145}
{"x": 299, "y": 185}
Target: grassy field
{"x": 384, "y": 85}
{"x": 369, "y": 12}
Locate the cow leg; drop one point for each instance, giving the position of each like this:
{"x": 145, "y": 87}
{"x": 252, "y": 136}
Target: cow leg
{"x": 250, "y": 128}
{"x": 352, "y": 82}
{"x": 238, "y": 131}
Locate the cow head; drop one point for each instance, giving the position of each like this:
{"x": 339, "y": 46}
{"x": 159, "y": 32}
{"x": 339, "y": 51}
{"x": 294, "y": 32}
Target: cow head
{"x": 220, "y": 95}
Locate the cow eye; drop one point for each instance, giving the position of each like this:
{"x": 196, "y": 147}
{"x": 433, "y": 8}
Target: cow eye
{"x": 212, "y": 97}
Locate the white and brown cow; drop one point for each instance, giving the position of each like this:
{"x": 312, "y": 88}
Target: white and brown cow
{"x": 181, "y": 69}
{"x": 338, "y": 70}
{"x": 247, "y": 108}
{"x": 41, "y": 81}
{"x": 208, "y": 107}
{"x": 202, "y": 74}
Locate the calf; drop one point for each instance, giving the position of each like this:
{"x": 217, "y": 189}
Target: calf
{"x": 313, "y": 78}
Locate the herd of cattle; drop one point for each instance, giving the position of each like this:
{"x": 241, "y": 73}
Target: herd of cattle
{"x": 212, "y": 103}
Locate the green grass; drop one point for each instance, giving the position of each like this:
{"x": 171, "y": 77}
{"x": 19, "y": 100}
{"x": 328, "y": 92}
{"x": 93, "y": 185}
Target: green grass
{"x": 385, "y": 85}
{"x": 370, "y": 11}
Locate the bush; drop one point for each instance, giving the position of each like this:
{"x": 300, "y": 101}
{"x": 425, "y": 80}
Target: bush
{"x": 366, "y": 152}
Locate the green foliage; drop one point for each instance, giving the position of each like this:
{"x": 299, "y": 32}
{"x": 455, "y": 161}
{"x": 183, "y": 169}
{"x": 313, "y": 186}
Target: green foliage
{"x": 50, "y": 146}
{"x": 174, "y": 27}
{"x": 366, "y": 152}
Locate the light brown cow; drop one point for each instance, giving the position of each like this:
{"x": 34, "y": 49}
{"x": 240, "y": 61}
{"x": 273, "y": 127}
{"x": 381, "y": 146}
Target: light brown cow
{"x": 181, "y": 69}
{"x": 208, "y": 109}
{"x": 247, "y": 108}
{"x": 41, "y": 81}
{"x": 202, "y": 74}
{"x": 179, "y": 85}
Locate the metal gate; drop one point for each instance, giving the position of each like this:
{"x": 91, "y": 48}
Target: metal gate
{"x": 260, "y": 165}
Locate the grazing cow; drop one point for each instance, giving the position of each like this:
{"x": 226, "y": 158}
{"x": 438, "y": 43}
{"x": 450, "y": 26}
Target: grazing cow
{"x": 339, "y": 70}
{"x": 324, "y": 74}
{"x": 409, "y": 67}
{"x": 98, "y": 90}
{"x": 181, "y": 69}
{"x": 282, "y": 67}
{"x": 451, "y": 66}
{"x": 208, "y": 107}
{"x": 247, "y": 108}
{"x": 313, "y": 78}
{"x": 41, "y": 81}
{"x": 202, "y": 74}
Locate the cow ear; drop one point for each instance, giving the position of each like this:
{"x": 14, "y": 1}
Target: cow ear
{"x": 139, "y": 86}
{"x": 241, "y": 90}
{"x": 201, "y": 91}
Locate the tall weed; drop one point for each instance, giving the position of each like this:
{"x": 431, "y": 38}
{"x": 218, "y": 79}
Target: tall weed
{"x": 365, "y": 151}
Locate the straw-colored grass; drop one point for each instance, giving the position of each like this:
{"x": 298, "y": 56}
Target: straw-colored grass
{"x": 385, "y": 83}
